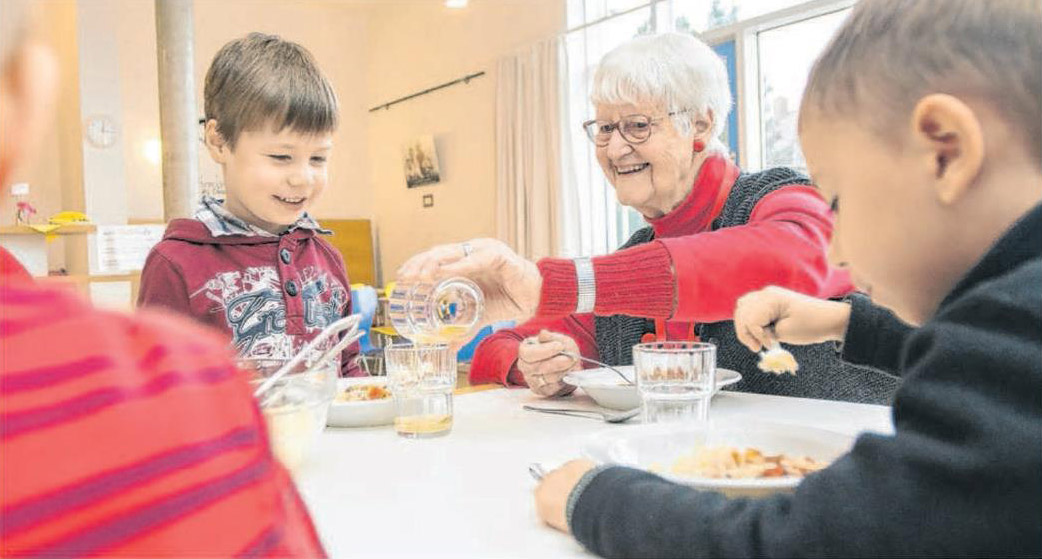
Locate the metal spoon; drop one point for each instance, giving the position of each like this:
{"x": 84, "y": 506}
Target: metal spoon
{"x": 622, "y": 375}
{"x": 607, "y": 417}
{"x": 577, "y": 357}
{"x": 776, "y": 359}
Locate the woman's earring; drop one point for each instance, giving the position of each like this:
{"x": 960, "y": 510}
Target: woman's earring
{"x": 698, "y": 146}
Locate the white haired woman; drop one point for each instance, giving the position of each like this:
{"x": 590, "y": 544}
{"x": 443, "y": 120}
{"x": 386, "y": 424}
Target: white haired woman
{"x": 713, "y": 234}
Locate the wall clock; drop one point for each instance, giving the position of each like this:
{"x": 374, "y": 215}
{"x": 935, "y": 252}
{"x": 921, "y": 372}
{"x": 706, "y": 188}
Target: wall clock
{"x": 100, "y": 131}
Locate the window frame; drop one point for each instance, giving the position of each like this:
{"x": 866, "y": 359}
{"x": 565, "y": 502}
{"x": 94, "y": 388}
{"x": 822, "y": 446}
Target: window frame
{"x": 747, "y": 61}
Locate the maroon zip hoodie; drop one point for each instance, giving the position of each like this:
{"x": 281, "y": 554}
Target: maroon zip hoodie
{"x": 268, "y": 295}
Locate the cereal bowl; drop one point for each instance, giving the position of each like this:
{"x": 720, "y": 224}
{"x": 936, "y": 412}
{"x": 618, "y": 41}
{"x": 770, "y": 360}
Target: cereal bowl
{"x": 361, "y": 402}
{"x": 610, "y": 391}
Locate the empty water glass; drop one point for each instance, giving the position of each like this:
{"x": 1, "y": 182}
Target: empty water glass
{"x": 676, "y": 380}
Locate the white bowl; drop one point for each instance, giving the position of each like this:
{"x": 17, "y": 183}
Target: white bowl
{"x": 609, "y": 391}
{"x": 656, "y": 447}
{"x": 366, "y": 413}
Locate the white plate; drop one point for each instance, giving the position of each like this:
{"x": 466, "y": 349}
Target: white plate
{"x": 656, "y": 447}
{"x": 608, "y": 390}
{"x": 364, "y": 413}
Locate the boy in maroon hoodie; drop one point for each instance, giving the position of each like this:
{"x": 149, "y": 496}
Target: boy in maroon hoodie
{"x": 254, "y": 265}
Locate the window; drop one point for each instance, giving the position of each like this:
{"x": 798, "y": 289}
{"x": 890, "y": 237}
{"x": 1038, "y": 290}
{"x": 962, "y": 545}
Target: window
{"x": 699, "y": 16}
{"x": 600, "y": 223}
{"x": 786, "y": 54}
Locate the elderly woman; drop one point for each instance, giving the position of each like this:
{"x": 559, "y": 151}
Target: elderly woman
{"x": 714, "y": 233}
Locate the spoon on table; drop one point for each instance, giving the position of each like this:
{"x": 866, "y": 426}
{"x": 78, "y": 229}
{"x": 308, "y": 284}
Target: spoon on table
{"x": 607, "y": 417}
{"x": 576, "y": 356}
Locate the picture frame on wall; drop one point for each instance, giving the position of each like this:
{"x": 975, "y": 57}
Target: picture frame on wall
{"x": 420, "y": 160}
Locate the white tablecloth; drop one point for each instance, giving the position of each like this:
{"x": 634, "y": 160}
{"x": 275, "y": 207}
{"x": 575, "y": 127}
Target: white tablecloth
{"x": 469, "y": 494}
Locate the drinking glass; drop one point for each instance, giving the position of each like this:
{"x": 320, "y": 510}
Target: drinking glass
{"x": 296, "y": 407}
{"x": 676, "y": 380}
{"x": 421, "y": 378}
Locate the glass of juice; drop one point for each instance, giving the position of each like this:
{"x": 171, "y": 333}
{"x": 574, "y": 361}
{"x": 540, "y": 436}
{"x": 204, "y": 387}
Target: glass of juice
{"x": 422, "y": 378}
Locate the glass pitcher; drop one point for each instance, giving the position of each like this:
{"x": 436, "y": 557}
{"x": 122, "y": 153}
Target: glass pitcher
{"x": 444, "y": 311}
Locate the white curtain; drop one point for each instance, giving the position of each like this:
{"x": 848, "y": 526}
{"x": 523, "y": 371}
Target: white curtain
{"x": 529, "y": 149}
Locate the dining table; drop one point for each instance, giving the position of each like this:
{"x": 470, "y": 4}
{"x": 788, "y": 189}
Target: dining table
{"x": 372, "y": 493}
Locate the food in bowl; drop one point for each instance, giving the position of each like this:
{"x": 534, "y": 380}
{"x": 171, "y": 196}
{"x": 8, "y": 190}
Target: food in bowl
{"x": 363, "y": 393}
{"x": 729, "y": 462}
{"x": 362, "y": 402}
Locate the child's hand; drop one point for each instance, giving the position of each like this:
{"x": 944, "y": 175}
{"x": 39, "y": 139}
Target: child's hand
{"x": 551, "y": 495}
{"x": 776, "y": 314}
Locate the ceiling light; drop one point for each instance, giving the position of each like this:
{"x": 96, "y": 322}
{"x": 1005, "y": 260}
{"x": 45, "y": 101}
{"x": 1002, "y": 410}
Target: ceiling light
{"x": 456, "y": 4}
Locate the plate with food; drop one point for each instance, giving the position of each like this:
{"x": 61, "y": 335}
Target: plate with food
{"x": 361, "y": 402}
{"x": 610, "y": 391}
{"x": 735, "y": 458}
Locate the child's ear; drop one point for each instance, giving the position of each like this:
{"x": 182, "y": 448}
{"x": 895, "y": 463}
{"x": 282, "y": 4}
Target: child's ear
{"x": 215, "y": 142}
{"x": 952, "y": 140}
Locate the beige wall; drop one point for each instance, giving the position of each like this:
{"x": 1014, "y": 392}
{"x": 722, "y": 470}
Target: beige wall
{"x": 334, "y": 32}
{"x": 416, "y": 45}
{"x": 373, "y": 52}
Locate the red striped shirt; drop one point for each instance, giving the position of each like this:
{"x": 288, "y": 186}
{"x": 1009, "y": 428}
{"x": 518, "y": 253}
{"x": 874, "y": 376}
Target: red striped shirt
{"x": 131, "y": 436}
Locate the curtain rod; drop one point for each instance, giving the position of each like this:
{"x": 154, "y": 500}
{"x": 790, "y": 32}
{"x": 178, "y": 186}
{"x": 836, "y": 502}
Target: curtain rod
{"x": 464, "y": 79}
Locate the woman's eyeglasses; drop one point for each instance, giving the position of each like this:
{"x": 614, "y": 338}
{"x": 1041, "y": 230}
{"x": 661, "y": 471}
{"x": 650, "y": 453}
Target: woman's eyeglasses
{"x": 635, "y": 129}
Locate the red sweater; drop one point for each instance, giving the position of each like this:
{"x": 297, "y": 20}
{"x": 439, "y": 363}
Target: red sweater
{"x": 131, "y": 436}
{"x": 269, "y": 296}
{"x": 688, "y": 274}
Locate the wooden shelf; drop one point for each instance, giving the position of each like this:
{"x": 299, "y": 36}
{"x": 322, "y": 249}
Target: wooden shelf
{"x": 70, "y": 229}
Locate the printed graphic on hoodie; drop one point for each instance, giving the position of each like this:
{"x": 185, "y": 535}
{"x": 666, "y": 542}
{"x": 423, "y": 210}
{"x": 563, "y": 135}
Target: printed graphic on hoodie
{"x": 255, "y": 311}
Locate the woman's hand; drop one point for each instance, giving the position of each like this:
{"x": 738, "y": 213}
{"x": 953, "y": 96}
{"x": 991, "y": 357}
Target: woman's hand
{"x": 539, "y": 359}
{"x": 776, "y": 314}
{"x": 510, "y": 283}
{"x": 551, "y": 495}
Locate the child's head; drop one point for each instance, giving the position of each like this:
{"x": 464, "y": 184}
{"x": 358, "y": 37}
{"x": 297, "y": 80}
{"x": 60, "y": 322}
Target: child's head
{"x": 28, "y": 87}
{"x": 270, "y": 117}
{"x": 923, "y": 120}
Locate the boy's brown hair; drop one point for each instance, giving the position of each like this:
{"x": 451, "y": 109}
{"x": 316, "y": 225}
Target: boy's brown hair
{"x": 890, "y": 53}
{"x": 262, "y": 79}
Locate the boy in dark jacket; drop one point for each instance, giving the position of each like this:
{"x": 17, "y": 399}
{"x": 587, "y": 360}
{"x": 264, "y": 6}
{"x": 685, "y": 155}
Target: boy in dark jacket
{"x": 922, "y": 123}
